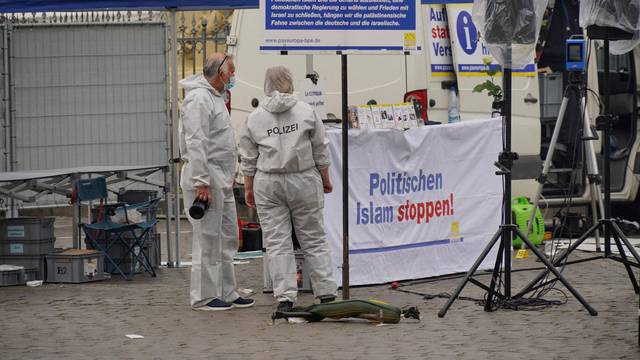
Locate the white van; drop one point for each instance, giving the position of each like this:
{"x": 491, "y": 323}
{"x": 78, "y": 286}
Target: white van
{"x": 535, "y": 99}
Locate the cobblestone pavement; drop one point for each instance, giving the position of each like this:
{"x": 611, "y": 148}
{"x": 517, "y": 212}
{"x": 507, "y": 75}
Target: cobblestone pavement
{"x": 80, "y": 321}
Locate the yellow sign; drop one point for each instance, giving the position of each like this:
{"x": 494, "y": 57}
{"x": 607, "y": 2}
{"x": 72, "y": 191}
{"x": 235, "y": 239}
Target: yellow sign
{"x": 455, "y": 229}
{"x": 410, "y": 40}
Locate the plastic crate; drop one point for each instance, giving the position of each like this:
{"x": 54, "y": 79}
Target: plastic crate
{"x": 117, "y": 251}
{"x": 75, "y": 266}
{"x": 27, "y": 247}
{"x": 155, "y": 254}
{"x": 302, "y": 273}
{"x": 26, "y": 228}
{"x": 551, "y": 90}
{"x": 29, "y": 275}
{"x": 10, "y": 275}
{"x": 128, "y": 267}
{"x": 137, "y": 196}
{"x": 36, "y": 262}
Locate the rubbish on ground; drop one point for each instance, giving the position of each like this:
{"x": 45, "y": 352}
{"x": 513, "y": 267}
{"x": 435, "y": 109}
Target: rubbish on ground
{"x": 134, "y": 336}
{"x": 34, "y": 283}
{"x": 522, "y": 254}
{"x": 297, "y": 320}
{"x": 246, "y": 291}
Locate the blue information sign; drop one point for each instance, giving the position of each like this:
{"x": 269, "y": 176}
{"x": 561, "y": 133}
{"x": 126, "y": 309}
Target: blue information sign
{"x": 340, "y": 25}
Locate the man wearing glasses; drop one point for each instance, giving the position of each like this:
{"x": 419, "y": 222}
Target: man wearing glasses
{"x": 208, "y": 148}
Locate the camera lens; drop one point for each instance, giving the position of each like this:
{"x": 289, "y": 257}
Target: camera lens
{"x": 198, "y": 209}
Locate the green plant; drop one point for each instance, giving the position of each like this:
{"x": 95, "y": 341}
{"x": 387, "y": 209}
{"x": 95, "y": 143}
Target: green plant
{"x": 489, "y": 85}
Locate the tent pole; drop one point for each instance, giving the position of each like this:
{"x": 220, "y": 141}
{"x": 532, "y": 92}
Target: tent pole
{"x": 176, "y": 155}
{"x": 345, "y": 180}
{"x": 174, "y": 124}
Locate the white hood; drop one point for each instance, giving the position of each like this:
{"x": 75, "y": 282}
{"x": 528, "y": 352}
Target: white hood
{"x": 197, "y": 81}
{"x": 279, "y": 102}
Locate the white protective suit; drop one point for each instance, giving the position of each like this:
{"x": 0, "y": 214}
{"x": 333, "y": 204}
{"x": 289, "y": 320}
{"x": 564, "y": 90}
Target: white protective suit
{"x": 283, "y": 145}
{"x": 207, "y": 145}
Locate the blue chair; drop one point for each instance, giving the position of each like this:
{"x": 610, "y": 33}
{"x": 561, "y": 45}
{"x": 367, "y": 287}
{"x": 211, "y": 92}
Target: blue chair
{"x": 103, "y": 234}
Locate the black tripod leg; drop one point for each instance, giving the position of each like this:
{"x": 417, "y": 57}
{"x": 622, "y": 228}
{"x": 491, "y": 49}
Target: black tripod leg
{"x": 616, "y": 230}
{"x": 616, "y": 237}
{"x": 470, "y": 273}
{"x": 571, "y": 248}
{"x": 555, "y": 271}
{"x": 495, "y": 275}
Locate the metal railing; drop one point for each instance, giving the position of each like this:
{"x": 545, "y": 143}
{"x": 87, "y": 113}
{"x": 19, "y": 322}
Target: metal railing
{"x": 198, "y": 37}
{"x": 81, "y": 17}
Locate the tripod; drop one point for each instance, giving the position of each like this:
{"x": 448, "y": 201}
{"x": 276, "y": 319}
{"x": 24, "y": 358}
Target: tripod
{"x": 506, "y": 230}
{"x": 576, "y": 84}
{"x": 609, "y": 225}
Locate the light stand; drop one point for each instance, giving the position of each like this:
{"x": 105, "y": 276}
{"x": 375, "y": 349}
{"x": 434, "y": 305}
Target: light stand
{"x": 345, "y": 178}
{"x": 507, "y": 228}
{"x": 609, "y": 225}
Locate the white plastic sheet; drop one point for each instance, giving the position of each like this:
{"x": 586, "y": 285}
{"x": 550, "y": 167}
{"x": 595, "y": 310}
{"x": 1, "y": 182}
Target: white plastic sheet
{"x": 620, "y": 14}
{"x": 510, "y": 28}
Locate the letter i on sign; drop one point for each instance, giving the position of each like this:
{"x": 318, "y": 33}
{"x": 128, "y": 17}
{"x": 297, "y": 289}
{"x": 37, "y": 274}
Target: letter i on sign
{"x": 467, "y": 34}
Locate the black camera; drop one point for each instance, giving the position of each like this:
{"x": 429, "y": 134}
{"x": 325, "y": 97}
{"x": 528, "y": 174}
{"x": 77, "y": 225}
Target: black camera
{"x": 198, "y": 208}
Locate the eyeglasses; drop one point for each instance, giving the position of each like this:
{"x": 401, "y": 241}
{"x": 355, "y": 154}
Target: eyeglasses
{"x": 222, "y": 63}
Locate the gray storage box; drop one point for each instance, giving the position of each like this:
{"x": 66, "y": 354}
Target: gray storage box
{"x": 551, "y": 89}
{"x": 29, "y": 275}
{"x": 137, "y": 196}
{"x": 151, "y": 249}
{"x": 302, "y": 273}
{"x": 26, "y": 228}
{"x": 26, "y": 247}
{"x": 117, "y": 251}
{"x": 128, "y": 267}
{"x": 75, "y": 266}
{"x": 28, "y": 262}
{"x": 154, "y": 250}
{"x": 11, "y": 275}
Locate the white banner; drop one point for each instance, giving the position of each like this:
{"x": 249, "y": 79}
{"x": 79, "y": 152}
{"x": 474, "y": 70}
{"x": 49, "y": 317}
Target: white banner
{"x": 349, "y": 26}
{"x": 422, "y": 203}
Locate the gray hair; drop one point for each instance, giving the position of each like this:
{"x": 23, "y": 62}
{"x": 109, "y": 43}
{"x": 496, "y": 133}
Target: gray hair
{"x": 278, "y": 78}
{"x": 212, "y": 64}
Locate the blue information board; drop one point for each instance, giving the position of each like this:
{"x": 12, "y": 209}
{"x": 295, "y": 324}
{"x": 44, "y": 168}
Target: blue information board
{"x": 340, "y": 25}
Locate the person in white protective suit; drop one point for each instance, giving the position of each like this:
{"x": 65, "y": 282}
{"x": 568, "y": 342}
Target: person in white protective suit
{"x": 285, "y": 160}
{"x": 208, "y": 148}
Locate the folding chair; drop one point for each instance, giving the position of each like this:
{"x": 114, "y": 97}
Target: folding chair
{"x": 103, "y": 234}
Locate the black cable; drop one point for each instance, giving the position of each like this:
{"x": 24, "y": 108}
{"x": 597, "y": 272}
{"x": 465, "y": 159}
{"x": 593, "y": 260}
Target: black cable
{"x": 568, "y": 201}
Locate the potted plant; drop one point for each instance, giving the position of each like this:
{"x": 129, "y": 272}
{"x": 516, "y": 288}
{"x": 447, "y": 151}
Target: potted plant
{"x": 491, "y": 87}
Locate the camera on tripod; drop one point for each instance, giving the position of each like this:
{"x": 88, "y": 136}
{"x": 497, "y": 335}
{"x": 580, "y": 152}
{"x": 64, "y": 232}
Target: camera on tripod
{"x": 576, "y": 60}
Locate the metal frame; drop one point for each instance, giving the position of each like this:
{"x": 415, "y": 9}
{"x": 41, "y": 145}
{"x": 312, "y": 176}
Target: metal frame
{"x": 29, "y": 186}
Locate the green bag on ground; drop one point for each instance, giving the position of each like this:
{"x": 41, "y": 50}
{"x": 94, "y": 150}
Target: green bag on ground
{"x": 373, "y": 310}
